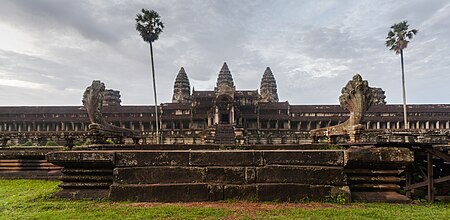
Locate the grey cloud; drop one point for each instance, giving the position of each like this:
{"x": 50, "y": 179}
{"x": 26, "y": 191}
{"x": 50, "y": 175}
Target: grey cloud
{"x": 312, "y": 48}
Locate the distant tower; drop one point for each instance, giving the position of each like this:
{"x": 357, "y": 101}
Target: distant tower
{"x": 225, "y": 84}
{"x": 111, "y": 97}
{"x": 181, "y": 88}
{"x": 268, "y": 90}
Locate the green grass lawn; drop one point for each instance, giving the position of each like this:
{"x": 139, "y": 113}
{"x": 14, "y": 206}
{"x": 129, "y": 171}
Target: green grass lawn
{"x": 32, "y": 199}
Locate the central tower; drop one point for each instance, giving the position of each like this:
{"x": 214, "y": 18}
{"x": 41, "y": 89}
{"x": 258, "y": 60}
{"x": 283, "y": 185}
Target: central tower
{"x": 224, "y": 103}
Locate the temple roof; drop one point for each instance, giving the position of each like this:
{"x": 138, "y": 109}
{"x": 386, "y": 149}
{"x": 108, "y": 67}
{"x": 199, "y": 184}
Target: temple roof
{"x": 225, "y": 76}
{"x": 181, "y": 88}
{"x": 268, "y": 87}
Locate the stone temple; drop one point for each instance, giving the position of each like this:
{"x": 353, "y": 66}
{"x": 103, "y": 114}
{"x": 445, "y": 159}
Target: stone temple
{"x": 225, "y": 115}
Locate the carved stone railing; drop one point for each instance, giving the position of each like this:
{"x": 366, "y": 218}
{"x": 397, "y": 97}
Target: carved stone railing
{"x": 99, "y": 127}
{"x": 357, "y": 97}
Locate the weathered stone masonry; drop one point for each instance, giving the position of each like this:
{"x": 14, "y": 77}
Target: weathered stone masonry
{"x": 209, "y": 175}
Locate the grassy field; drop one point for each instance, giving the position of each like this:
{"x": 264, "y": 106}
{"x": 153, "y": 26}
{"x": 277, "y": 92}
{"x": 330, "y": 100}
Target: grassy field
{"x": 32, "y": 199}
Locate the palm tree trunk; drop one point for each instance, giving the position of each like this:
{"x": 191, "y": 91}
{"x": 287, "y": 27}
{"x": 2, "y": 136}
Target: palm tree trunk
{"x": 405, "y": 115}
{"x": 154, "y": 93}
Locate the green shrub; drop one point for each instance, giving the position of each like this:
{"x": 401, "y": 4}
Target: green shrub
{"x": 28, "y": 143}
{"x": 51, "y": 143}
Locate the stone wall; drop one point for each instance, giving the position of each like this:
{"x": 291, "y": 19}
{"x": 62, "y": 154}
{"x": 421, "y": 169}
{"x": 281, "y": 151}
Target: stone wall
{"x": 209, "y": 175}
{"x": 27, "y": 163}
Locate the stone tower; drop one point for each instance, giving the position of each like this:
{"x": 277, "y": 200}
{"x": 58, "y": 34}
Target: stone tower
{"x": 225, "y": 84}
{"x": 181, "y": 88}
{"x": 268, "y": 90}
{"x": 111, "y": 97}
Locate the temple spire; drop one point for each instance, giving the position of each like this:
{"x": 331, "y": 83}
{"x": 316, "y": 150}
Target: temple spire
{"x": 268, "y": 89}
{"x": 181, "y": 88}
{"x": 225, "y": 76}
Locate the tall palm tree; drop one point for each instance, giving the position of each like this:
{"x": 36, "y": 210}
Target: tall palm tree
{"x": 397, "y": 40}
{"x": 150, "y": 26}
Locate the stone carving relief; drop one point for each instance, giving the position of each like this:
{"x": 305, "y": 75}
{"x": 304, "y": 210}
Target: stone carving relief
{"x": 357, "y": 97}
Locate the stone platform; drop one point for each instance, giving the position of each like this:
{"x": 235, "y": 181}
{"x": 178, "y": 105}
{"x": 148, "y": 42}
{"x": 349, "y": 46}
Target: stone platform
{"x": 369, "y": 174}
{"x": 27, "y": 163}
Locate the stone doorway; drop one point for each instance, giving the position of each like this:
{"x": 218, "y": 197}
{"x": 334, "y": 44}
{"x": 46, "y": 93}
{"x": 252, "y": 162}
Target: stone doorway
{"x": 224, "y": 118}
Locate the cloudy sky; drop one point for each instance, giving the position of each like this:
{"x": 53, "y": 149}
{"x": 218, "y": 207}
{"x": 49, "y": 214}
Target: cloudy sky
{"x": 51, "y": 50}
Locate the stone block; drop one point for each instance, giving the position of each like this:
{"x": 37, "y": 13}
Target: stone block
{"x": 216, "y": 192}
{"x": 86, "y": 178}
{"x": 225, "y": 175}
{"x": 153, "y": 175}
{"x": 298, "y": 192}
{"x": 152, "y": 158}
{"x": 81, "y": 158}
{"x": 160, "y": 192}
{"x": 226, "y": 158}
{"x": 85, "y": 185}
{"x": 368, "y": 187}
{"x": 282, "y": 192}
{"x": 304, "y": 157}
{"x": 375, "y": 157}
{"x": 393, "y": 197}
{"x": 83, "y": 193}
{"x": 240, "y": 192}
{"x": 301, "y": 174}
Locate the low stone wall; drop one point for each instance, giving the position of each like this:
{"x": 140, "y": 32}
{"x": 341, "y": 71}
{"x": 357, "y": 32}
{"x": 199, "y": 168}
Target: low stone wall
{"x": 27, "y": 163}
{"x": 209, "y": 175}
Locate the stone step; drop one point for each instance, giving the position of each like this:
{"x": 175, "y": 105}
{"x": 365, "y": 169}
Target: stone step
{"x": 86, "y": 178}
{"x": 373, "y": 179}
{"x": 85, "y": 185}
{"x": 197, "y": 192}
{"x": 231, "y": 175}
{"x": 362, "y": 187}
{"x": 392, "y": 197}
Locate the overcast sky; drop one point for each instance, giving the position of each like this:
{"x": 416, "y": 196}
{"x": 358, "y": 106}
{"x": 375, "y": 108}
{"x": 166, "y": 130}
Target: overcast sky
{"x": 51, "y": 50}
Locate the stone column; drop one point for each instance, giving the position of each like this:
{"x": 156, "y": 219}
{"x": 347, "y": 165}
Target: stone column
{"x": 216, "y": 116}
{"x": 427, "y": 125}
{"x": 232, "y": 122}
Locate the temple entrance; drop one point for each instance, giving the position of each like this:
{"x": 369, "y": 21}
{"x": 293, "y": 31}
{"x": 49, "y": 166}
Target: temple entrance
{"x": 224, "y": 118}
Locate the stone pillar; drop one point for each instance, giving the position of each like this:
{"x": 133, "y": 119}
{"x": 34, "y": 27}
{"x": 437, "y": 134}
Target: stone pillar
{"x": 308, "y": 127}
{"x": 417, "y": 125}
{"x": 232, "y": 122}
{"x": 388, "y": 125}
{"x": 447, "y": 125}
{"x": 216, "y": 116}
{"x": 437, "y": 125}
{"x": 427, "y": 125}
{"x": 398, "y": 125}
{"x": 378, "y": 125}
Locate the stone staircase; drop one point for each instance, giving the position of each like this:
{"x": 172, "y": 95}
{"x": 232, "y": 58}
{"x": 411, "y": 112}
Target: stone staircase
{"x": 225, "y": 135}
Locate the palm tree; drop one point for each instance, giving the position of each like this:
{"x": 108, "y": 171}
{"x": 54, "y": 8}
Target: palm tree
{"x": 150, "y": 26}
{"x": 398, "y": 39}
